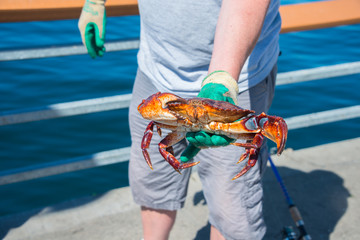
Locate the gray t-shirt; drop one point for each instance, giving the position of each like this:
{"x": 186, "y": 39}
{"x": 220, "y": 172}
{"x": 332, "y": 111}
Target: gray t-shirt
{"x": 176, "y": 43}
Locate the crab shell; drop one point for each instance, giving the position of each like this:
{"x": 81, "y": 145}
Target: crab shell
{"x": 167, "y": 108}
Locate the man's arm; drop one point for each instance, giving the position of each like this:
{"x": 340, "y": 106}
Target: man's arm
{"x": 237, "y": 31}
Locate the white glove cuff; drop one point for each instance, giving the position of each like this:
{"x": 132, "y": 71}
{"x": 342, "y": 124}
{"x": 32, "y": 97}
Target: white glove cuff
{"x": 224, "y": 78}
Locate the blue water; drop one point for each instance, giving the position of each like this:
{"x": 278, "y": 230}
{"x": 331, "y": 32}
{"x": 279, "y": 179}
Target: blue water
{"x": 39, "y": 82}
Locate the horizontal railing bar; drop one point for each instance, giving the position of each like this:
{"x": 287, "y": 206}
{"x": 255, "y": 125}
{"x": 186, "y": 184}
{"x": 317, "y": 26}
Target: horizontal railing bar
{"x": 64, "y": 166}
{"x": 318, "y": 118}
{"x": 123, "y": 154}
{"x": 123, "y": 101}
{"x": 64, "y": 51}
{"x": 41, "y": 10}
{"x": 319, "y": 14}
{"x": 295, "y": 17}
{"x": 65, "y": 109}
{"x": 318, "y": 73}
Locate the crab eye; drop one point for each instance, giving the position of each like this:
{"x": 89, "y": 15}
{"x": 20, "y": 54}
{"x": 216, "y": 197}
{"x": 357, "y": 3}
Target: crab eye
{"x": 263, "y": 121}
{"x": 251, "y": 124}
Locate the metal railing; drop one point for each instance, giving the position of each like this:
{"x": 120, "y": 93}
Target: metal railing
{"x": 296, "y": 17}
{"x": 64, "y": 51}
{"x": 122, "y": 101}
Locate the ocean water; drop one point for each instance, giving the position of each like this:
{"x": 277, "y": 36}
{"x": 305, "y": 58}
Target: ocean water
{"x": 40, "y": 82}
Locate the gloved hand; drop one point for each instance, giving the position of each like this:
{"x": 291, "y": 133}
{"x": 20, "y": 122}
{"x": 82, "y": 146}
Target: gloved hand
{"x": 218, "y": 85}
{"x": 92, "y": 27}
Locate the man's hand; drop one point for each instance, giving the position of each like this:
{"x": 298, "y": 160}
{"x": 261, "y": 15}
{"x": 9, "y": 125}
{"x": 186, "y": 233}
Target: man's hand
{"x": 218, "y": 85}
{"x": 92, "y": 27}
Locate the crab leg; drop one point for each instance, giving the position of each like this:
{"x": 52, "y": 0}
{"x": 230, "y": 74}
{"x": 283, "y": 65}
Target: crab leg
{"x": 252, "y": 150}
{"x": 146, "y": 142}
{"x": 166, "y": 144}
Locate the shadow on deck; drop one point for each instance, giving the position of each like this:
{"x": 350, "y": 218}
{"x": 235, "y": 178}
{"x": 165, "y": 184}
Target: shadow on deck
{"x": 321, "y": 180}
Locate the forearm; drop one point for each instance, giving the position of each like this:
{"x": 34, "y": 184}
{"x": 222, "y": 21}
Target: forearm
{"x": 238, "y": 29}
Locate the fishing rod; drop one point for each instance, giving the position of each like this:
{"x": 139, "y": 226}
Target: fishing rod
{"x": 294, "y": 211}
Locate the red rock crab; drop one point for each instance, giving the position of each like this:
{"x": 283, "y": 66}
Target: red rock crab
{"x": 166, "y": 110}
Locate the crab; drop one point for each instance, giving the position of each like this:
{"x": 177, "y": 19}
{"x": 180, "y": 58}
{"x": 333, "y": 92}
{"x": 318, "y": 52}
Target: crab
{"x": 181, "y": 115}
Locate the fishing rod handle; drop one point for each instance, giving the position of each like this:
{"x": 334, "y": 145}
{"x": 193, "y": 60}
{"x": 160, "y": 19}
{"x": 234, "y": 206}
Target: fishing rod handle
{"x": 296, "y": 216}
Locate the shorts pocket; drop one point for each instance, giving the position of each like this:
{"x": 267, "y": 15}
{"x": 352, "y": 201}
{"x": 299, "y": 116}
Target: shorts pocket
{"x": 253, "y": 203}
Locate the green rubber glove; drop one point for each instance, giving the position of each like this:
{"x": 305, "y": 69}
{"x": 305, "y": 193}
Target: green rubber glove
{"x": 218, "y": 85}
{"x": 92, "y": 27}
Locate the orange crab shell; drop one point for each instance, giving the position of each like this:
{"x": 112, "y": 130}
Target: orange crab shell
{"x": 167, "y": 108}
{"x": 207, "y": 110}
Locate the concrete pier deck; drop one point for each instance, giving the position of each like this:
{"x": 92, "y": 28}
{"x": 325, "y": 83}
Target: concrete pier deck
{"x": 322, "y": 181}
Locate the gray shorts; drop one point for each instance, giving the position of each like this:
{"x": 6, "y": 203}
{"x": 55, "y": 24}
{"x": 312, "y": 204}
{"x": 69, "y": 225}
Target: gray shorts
{"x": 235, "y": 207}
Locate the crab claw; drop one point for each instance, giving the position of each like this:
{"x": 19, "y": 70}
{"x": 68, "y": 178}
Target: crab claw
{"x": 155, "y": 107}
{"x": 275, "y": 129}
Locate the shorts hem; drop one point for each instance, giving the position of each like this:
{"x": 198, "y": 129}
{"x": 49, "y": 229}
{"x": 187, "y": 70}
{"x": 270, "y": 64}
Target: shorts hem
{"x": 227, "y": 237}
{"x": 170, "y": 206}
